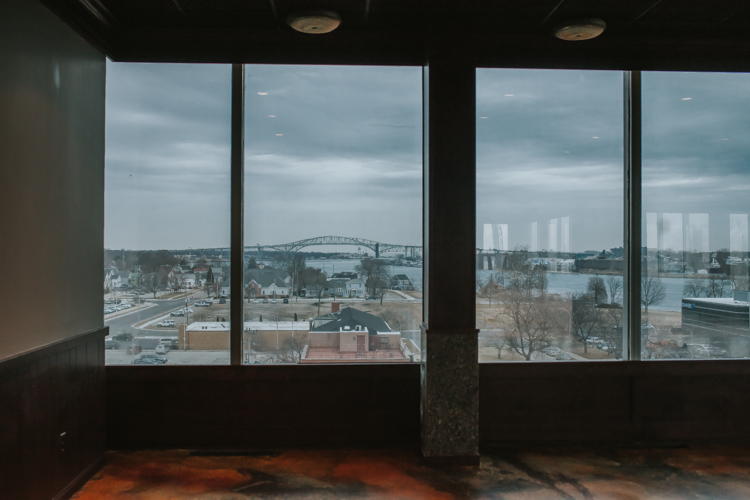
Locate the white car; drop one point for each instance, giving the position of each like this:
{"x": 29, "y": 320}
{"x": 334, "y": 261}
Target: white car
{"x": 161, "y": 349}
{"x": 166, "y": 323}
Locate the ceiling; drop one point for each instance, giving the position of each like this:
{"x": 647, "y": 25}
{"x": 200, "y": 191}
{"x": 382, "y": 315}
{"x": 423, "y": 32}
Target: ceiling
{"x": 641, "y": 34}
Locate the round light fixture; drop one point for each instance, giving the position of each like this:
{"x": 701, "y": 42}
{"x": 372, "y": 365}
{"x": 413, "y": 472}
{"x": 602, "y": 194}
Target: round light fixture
{"x": 314, "y": 22}
{"x": 580, "y": 29}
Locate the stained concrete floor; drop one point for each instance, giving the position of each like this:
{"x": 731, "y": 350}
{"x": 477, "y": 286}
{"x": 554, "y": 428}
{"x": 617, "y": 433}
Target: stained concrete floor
{"x": 696, "y": 472}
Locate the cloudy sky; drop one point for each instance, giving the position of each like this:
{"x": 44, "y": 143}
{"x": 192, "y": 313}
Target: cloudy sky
{"x": 337, "y": 151}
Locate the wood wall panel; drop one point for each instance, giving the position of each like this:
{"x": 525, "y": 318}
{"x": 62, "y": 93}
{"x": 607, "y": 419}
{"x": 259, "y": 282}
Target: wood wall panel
{"x": 262, "y": 406}
{"x": 58, "y": 388}
{"x": 613, "y": 402}
{"x": 287, "y": 406}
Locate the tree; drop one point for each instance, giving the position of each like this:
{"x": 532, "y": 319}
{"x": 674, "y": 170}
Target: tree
{"x": 614, "y": 285}
{"x": 294, "y": 267}
{"x": 497, "y": 341}
{"x": 715, "y": 286}
{"x": 652, "y": 292}
{"x": 395, "y": 320}
{"x": 531, "y": 324}
{"x": 693, "y": 288}
{"x": 296, "y": 345}
{"x": 375, "y": 273}
{"x": 597, "y": 289}
{"x": 251, "y": 263}
{"x": 586, "y": 318}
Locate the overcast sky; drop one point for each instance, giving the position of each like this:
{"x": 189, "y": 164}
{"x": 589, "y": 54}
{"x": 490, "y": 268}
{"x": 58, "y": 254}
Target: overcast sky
{"x": 337, "y": 151}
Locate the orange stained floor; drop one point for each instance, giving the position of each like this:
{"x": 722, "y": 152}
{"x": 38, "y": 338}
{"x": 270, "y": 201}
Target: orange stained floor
{"x": 710, "y": 472}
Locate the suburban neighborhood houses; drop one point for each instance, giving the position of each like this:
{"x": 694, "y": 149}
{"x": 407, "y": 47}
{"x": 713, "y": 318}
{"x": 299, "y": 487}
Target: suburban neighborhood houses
{"x": 178, "y": 305}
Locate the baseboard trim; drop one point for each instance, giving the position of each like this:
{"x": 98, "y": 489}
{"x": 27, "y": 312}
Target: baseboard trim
{"x": 451, "y": 461}
{"x": 81, "y": 479}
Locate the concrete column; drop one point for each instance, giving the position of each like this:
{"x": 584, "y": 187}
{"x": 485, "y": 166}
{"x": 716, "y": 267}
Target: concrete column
{"x": 450, "y": 372}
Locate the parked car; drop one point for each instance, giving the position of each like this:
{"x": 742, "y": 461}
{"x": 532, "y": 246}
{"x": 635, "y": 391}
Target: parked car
{"x": 159, "y": 359}
{"x": 169, "y": 342}
{"x": 177, "y": 313}
{"x": 134, "y": 349}
{"x": 147, "y": 361}
{"x": 265, "y": 301}
{"x": 123, "y": 337}
{"x": 166, "y": 323}
{"x": 111, "y": 344}
{"x": 274, "y": 301}
{"x": 286, "y": 301}
{"x": 161, "y": 349}
{"x": 224, "y": 301}
{"x": 255, "y": 301}
{"x": 371, "y": 297}
{"x": 202, "y": 303}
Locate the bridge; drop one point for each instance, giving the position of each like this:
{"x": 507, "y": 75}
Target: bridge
{"x": 375, "y": 246}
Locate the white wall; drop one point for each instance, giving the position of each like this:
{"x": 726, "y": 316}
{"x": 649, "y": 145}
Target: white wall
{"x": 52, "y": 87}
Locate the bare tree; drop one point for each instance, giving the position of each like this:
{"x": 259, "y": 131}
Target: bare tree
{"x": 531, "y": 324}
{"x": 597, "y": 289}
{"x": 652, "y": 292}
{"x": 497, "y": 341}
{"x": 376, "y": 274}
{"x": 296, "y": 345}
{"x": 395, "y": 320}
{"x": 716, "y": 286}
{"x": 693, "y": 288}
{"x": 614, "y": 285}
{"x": 587, "y": 319}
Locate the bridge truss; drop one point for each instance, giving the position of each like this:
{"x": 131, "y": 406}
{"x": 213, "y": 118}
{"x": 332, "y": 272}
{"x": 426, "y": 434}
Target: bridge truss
{"x": 375, "y": 246}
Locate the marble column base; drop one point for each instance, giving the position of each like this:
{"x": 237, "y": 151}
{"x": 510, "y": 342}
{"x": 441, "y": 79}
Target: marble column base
{"x": 450, "y": 397}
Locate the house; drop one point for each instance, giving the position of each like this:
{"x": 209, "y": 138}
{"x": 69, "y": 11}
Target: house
{"x": 335, "y": 287}
{"x": 267, "y": 282}
{"x": 355, "y": 288}
{"x": 63, "y": 408}
{"x": 401, "y": 282}
{"x": 349, "y": 334}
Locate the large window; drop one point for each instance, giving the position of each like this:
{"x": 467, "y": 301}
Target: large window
{"x": 333, "y": 214}
{"x": 549, "y": 215}
{"x": 166, "y": 211}
{"x": 695, "y": 216}
{"x": 332, "y": 267}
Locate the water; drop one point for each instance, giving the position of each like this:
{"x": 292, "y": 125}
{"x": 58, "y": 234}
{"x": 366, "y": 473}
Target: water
{"x": 559, "y": 283}
{"x": 564, "y": 283}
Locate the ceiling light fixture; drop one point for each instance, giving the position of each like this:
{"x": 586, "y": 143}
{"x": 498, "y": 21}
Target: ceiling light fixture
{"x": 314, "y": 22}
{"x": 580, "y": 29}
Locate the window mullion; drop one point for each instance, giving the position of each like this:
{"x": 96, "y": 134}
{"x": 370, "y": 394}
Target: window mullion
{"x": 632, "y": 214}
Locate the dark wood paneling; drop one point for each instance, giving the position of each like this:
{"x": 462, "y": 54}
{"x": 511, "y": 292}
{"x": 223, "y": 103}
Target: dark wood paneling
{"x": 613, "y": 402}
{"x": 54, "y": 389}
{"x": 262, "y": 406}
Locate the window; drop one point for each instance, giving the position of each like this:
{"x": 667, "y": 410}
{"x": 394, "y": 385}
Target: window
{"x": 333, "y": 199}
{"x": 167, "y": 211}
{"x": 549, "y": 215}
{"x": 695, "y": 216}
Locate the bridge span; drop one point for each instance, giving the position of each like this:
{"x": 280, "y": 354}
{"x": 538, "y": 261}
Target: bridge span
{"x": 375, "y": 246}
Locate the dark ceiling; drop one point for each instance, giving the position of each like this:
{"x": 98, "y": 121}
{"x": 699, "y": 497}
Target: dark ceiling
{"x": 641, "y": 34}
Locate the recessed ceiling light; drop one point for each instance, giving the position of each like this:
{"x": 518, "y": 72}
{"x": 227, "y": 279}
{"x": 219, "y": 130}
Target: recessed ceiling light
{"x": 482, "y": 117}
{"x": 314, "y": 22}
{"x": 279, "y": 135}
{"x": 272, "y": 116}
{"x": 262, "y": 93}
{"x": 509, "y": 95}
{"x": 576, "y": 30}
{"x": 687, "y": 98}
{"x": 725, "y": 139}
{"x": 595, "y": 137}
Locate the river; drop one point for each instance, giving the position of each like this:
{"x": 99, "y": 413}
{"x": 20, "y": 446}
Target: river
{"x": 559, "y": 283}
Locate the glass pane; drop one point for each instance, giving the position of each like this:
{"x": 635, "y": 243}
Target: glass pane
{"x": 549, "y": 215}
{"x": 333, "y": 214}
{"x": 167, "y": 211}
{"x": 695, "y": 216}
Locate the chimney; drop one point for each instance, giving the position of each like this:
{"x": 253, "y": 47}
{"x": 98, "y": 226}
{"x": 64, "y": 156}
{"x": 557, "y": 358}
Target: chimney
{"x": 335, "y": 307}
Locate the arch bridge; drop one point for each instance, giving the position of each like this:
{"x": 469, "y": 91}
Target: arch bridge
{"x": 375, "y": 246}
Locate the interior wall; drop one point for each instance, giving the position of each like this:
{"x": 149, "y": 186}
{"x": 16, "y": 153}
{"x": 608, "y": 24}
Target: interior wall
{"x": 52, "y": 89}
